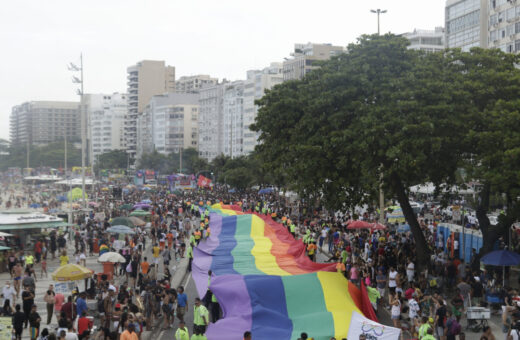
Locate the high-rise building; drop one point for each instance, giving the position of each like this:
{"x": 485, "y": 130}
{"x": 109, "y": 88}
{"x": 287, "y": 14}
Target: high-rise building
{"x": 43, "y": 122}
{"x": 145, "y": 79}
{"x": 233, "y": 119}
{"x": 211, "y": 108}
{"x": 504, "y": 25}
{"x": 257, "y": 82}
{"x": 169, "y": 123}
{"x": 192, "y": 84}
{"x": 466, "y": 23}
{"x": 426, "y": 40}
{"x": 106, "y": 116}
{"x": 304, "y": 58}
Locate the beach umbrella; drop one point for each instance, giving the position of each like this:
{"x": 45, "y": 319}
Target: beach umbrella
{"x": 140, "y": 213}
{"x": 403, "y": 228}
{"x": 137, "y": 221}
{"x": 501, "y": 258}
{"x": 93, "y": 204}
{"x": 103, "y": 249}
{"x": 126, "y": 207}
{"x": 112, "y": 257}
{"x": 141, "y": 206}
{"x": 62, "y": 198}
{"x": 123, "y": 221}
{"x": 396, "y": 216}
{"x": 378, "y": 226}
{"x": 146, "y": 201}
{"x": 34, "y": 205}
{"x": 71, "y": 272}
{"x": 2, "y": 234}
{"x": 359, "y": 225}
{"x": 265, "y": 191}
{"x": 120, "y": 229}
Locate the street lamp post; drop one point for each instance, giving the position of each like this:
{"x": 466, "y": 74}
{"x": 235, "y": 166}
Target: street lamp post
{"x": 378, "y": 12}
{"x": 76, "y": 80}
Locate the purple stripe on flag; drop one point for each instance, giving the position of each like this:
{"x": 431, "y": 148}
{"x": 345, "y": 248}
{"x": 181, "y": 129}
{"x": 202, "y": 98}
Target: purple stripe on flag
{"x": 233, "y": 290}
{"x": 202, "y": 255}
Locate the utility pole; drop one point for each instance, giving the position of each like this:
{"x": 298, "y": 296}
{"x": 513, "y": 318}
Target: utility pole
{"x": 80, "y": 92}
{"x": 180, "y": 160}
{"x": 378, "y": 12}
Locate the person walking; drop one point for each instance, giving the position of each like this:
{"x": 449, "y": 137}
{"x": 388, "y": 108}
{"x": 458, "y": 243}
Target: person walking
{"x": 49, "y": 299}
{"x": 18, "y": 321}
{"x": 200, "y": 317}
{"x": 182, "y": 332}
{"x": 28, "y": 302}
{"x": 34, "y": 321}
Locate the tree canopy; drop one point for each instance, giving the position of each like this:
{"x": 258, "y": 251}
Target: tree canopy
{"x": 384, "y": 114}
{"x": 51, "y": 155}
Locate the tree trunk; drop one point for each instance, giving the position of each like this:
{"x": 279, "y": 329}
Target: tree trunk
{"x": 422, "y": 249}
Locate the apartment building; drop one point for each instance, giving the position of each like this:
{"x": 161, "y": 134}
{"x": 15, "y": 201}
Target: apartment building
{"x": 466, "y": 23}
{"x": 106, "y": 117}
{"x": 43, "y": 122}
{"x": 254, "y": 88}
{"x": 169, "y": 123}
{"x": 192, "y": 84}
{"x": 145, "y": 79}
{"x": 211, "y": 108}
{"x": 426, "y": 40}
{"x": 304, "y": 58}
{"x": 504, "y": 25}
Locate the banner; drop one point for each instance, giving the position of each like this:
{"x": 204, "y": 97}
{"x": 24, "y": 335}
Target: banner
{"x": 371, "y": 330}
{"x": 6, "y": 328}
{"x": 204, "y": 182}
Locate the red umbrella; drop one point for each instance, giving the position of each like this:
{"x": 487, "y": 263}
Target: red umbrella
{"x": 378, "y": 226}
{"x": 359, "y": 225}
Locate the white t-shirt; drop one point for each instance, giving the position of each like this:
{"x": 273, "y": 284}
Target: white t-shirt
{"x": 324, "y": 233}
{"x": 71, "y": 336}
{"x": 391, "y": 279}
{"x": 456, "y": 245}
{"x": 8, "y": 294}
{"x": 413, "y": 308}
{"x": 410, "y": 269}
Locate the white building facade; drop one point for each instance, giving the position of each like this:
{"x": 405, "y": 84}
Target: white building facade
{"x": 192, "y": 84}
{"x": 257, "y": 82}
{"x": 106, "y": 118}
{"x": 466, "y": 23}
{"x": 211, "y": 107}
{"x": 169, "y": 123}
{"x": 426, "y": 40}
{"x": 504, "y": 25}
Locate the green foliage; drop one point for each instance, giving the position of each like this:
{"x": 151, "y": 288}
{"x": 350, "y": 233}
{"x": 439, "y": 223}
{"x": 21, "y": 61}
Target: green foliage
{"x": 167, "y": 164}
{"x": 51, "y": 155}
{"x": 380, "y": 110}
{"x": 115, "y": 159}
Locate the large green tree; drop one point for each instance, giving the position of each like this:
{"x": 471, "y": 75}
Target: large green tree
{"x": 115, "y": 159}
{"x": 492, "y": 83}
{"x": 51, "y": 155}
{"x": 380, "y": 113}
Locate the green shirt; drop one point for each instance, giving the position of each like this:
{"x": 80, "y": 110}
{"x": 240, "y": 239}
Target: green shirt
{"x": 182, "y": 334}
{"x": 198, "y": 315}
{"x": 373, "y": 294}
{"x": 198, "y": 337}
{"x": 426, "y": 337}
{"x": 293, "y": 228}
{"x": 423, "y": 330}
{"x": 190, "y": 252}
{"x": 344, "y": 255}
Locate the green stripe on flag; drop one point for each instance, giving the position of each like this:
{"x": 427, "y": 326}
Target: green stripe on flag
{"x": 306, "y": 306}
{"x": 243, "y": 260}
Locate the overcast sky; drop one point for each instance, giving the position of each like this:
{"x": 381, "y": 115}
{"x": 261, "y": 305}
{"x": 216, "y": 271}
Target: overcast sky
{"x": 223, "y": 38}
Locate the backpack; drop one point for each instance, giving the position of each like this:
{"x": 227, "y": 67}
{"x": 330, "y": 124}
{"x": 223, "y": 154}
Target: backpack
{"x": 454, "y": 328}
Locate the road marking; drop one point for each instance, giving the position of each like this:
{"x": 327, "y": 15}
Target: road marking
{"x": 187, "y": 279}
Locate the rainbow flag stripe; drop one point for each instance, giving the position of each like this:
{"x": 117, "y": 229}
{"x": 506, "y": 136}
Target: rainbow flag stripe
{"x": 249, "y": 244}
{"x": 282, "y": 307}
{"x": 265, "y": 283}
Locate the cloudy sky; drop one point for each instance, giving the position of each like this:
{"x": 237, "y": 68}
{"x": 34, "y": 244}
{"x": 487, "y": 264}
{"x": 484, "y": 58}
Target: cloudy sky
{"x": 223, "y": 38}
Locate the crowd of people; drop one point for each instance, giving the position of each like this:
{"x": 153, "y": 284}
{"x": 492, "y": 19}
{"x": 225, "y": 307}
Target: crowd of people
{"x": 425, "y": 304}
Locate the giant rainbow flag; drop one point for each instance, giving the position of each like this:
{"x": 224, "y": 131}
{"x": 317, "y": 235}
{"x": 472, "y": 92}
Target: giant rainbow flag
{"x": 266, "y": 284}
